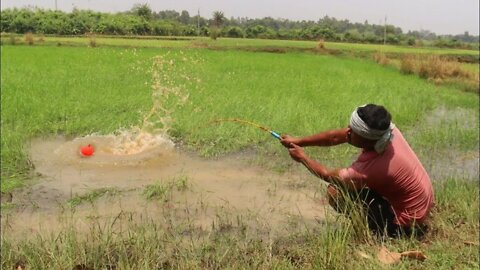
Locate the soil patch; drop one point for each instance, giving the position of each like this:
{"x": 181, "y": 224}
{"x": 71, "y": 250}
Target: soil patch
{"x": 203, "y": 193}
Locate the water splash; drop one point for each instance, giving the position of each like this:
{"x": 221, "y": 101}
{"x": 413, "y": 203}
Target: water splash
{"x": 125, "y": 147}
{"x": 135, "y": 141}
{"x": 171, "y": 82}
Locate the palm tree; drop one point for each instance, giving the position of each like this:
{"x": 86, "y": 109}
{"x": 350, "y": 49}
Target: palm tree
{"x": 218, "y": 18}
{"x": 217, "y": 21}
{"x": 142, "y": 10}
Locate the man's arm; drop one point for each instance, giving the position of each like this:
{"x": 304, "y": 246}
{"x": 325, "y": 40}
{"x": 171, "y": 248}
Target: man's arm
{"x": 319, "y": 170}
{"x": 326, "y": 138}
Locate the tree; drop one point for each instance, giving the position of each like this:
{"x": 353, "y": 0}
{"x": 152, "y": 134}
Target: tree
{"x": 260, "y": 31}
{"x": 142, "y": 10}
{"x": 353, "y": 35}
{"x": 327, "y": 33}
{"x": 141, "y": 20}
{"x": 370, "y": 37}
{"x": 411, "y": 41}
{"x": 234, "y": 32}
{"x": 218, "y": 19}
{"x": 217, "y": 22}
{"x": 168, "y": 15}
{"x": 392, "y": 39}
{"x": 184, "y": 17}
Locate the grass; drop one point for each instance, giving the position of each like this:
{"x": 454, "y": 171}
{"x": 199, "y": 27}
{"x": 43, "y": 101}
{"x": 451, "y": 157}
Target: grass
{"x": 401, "y": 49}
{"x": 146, "y": 244}
{"x": 91, "y": 196}
{"x": 161, "y": 191}
{"x": 181, "y": 183}
{"x": 78, "y": 90}
{"x": 436, "y": 69}
{"x": 40, "y": 106}
{"x": 471, "y": 67}
{"x": 104, "y": 89}
{"x": 183, "y": 42}
{"x": 156, "y": 191}
{"x": 29, "y": 39}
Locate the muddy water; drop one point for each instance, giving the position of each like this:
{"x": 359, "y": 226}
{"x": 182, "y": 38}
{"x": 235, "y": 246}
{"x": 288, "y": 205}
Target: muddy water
{"x": 443, "y": 162}
{"x": 216, "y": 191}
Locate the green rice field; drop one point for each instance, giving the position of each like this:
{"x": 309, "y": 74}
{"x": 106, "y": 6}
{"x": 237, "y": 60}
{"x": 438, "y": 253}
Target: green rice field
{"x": 73, "y": 91}
{"x": 236, "y": 43}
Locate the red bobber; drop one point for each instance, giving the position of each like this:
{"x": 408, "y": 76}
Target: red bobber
{"x": 87, "y": 150}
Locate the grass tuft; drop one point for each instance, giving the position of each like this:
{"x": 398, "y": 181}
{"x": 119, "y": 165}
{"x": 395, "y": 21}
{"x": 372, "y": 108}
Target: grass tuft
{"x": 157, "y": 191}
{"x": 162, "y": 191}
{"x": 91, "y": 196}
{"x": 441, "y": 71}
{"x": 29, "y": 39}
{"x": 13, "y": 39}
{"x": 92, "y": 40}
{"x": 436, "y": 67}
{"x": 321, "y": 44}
{"x": 408, "y": 65}
{"x": 214, "y": 32}
{"x": 381, "y": 58}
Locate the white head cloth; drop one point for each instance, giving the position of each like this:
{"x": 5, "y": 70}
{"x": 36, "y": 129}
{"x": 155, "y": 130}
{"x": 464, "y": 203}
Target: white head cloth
{"x": 383, "y": 137}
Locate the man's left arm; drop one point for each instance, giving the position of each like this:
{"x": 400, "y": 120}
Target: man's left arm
{"x": 330, "y": 176}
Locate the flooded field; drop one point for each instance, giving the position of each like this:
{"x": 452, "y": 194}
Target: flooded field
{"x": 154, "y": 181}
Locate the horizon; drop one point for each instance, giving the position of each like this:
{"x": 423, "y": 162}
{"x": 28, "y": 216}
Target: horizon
{"x": 438, "y": 21}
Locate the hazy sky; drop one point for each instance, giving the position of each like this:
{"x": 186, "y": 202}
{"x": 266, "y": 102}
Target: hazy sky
{"x": 439, "y": 16}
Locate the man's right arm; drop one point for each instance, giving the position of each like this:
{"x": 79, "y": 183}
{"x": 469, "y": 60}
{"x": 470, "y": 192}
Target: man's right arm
{"x": 326, "y": 138}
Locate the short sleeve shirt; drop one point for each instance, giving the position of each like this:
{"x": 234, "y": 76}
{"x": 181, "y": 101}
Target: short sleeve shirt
{"x": 398, "y": 176}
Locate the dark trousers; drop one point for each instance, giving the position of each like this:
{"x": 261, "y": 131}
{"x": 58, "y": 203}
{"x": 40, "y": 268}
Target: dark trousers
{"x": 378, "y": 211}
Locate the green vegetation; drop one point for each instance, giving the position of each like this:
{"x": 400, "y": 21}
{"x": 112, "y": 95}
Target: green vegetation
{"x": 146, "y": 244}
{"x": 78, "y": 90}
{"x": 262, "y": 87}
{"x": 157, "y": 191}
{"x": 435, "y": 68}
{"x": 245, "y": 43}
{"x": 91, "y": 196}
{"x": 142, "y": 20}
{"x": 161, "y": 191}
{"x": 181, "y": 183}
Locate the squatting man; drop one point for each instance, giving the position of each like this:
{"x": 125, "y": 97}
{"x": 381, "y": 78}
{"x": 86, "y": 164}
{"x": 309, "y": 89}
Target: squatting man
{"x": 387, "y": 178}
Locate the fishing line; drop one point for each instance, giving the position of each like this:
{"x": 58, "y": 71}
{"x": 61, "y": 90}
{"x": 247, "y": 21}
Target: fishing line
{"x": 236, "y": 120}
{"x": 273, "y": 133}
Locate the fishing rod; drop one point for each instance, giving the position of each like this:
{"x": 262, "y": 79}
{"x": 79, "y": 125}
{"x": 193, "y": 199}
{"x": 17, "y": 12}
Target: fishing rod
{"x": 273, "y": 133}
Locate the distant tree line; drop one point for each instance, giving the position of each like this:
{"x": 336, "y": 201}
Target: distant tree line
{"x": 142, "y": 20}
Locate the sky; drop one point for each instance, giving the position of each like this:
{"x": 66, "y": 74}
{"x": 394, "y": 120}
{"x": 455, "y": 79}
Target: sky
{"x": 439, "y": 16}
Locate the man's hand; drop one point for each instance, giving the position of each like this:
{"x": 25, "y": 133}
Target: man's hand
{"x": 287, "y": 141}
{"x": 296, "y": 152}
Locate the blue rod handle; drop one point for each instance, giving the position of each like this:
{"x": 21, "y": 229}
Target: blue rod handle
{"x": 276, "y": 135}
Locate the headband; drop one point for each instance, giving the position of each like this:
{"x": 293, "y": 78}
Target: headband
{"x": 383, "y": 137}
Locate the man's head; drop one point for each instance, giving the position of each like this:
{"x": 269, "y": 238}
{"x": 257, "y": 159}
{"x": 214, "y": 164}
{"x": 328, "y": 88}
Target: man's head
{"x": 375, "y": 116}
{"x": 370, "y": 127}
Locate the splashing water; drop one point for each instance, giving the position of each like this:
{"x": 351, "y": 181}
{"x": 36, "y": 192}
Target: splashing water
{"x": 135, "y": 141}
{"x": 170, "y": 82}
{"x": 126, "y": 147}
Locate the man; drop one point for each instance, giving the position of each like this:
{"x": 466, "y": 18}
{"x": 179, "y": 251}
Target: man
{"x": 387, "y": 176}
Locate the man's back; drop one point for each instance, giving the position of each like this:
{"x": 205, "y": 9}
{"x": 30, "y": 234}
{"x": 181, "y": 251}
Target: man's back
{"x": 397, "y": 175}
